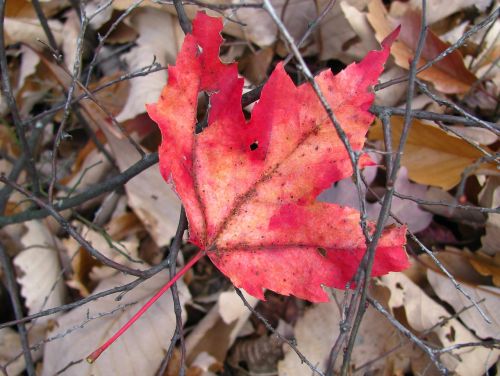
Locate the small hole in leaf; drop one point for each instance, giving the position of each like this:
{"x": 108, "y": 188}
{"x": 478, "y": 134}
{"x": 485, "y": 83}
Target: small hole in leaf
{"x": 254, "y": 145}
{"x": 202, "y": 110}
{"x": 321, "y": 251}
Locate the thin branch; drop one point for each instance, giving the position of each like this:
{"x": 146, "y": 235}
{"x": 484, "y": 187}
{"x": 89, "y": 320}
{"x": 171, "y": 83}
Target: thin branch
{"x": 386, "y": 205}
{"x": 11, "y": 102}
{"x": 461, "y": 41}
{"x": 45, "y": 26}
{"x": 182, "y": 16}
{"x": 412, "y": 337}
{"x": 94, "y": 191}
{"x": 71, "y": 231}
{"x": 447, "y": 204}
{"x": 67, "y": 106}
{"x": 444, "y": 102}
{"x": 172, "y": 257}
{"x": 269, "y": 327}
{"x": 18, "y": 309}
{"x": 311, "y": 27}
{"x": 103, "y": 39}
{"x": 426, "y": 115}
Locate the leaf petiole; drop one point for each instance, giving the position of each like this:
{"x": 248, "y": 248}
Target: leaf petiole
{"x": 93, "y": 357}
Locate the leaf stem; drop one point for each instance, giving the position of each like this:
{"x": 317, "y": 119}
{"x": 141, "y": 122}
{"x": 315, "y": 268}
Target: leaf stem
{"x": 93, "y": 357}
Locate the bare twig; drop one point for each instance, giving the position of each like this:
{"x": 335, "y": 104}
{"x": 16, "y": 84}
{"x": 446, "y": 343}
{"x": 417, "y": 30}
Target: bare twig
{"x": 172, "y": 257}
{"x": 386, "y": 205}
{"x": 18, "y": 309}
{"x": 444, "y": 102}
{"x": 462, "y": 40}
{"x": 103, "y": 39}
{"x": 45, "y": 26}
{"x": 412, "y": 337}
{"x": 11, "y": 102}
{"x": 71, "y": 231}
{"x": 266, "y": 323}
{"x": 67, "y": 106}
{"x": 426, "y": 115}
{"x": 94, "y": 191}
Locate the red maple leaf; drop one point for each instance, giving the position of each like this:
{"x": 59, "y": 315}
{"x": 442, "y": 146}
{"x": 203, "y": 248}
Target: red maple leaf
{"x": 249, "y": 187}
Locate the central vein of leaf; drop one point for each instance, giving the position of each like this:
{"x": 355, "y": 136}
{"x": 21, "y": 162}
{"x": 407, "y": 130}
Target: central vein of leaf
{"x": 250, "y": 193}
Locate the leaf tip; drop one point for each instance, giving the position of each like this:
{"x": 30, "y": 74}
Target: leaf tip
{"x": 389, "y": 40}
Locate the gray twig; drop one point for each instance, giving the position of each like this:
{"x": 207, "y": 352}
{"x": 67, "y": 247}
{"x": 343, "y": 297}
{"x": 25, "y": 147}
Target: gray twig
{"x": 18, "y": 309}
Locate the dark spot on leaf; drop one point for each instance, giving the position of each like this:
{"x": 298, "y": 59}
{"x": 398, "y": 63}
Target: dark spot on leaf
{"x": 451, "y": 335}
{"x": 399, "y": 286}
{"x": 321, "y": 251}
{"x": 254, "y": 145}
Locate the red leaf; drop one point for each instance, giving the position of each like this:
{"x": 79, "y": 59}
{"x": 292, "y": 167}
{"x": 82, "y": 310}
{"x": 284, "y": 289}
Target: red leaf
{"x": 254, "y": 210}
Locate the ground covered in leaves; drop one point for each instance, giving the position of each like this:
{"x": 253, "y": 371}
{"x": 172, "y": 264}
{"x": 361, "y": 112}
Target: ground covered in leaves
{"x": 90, "y": 230}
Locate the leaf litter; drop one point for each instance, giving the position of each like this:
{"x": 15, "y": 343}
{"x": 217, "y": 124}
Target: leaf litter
{"x": 449, "y": 193}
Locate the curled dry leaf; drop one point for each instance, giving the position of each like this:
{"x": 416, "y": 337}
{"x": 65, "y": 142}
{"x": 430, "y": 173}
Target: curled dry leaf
{"x": 424, "y": 314}
{"x": 140, "y": 352}
{"x": 249, "y": 188}
{"x": 488, "y": 296}
{"x": 41, "y": 279}
{"x": 432, "y": 156}
{"x": 449, "y": 75}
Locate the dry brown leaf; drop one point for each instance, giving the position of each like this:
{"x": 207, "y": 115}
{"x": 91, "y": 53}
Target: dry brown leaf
{"x": 423, "y": 314}
{"x": 318, "y": 329}
{"x": 438, "y": 10}
{"x": 432, "y": 156}
{"x": 457, "y": 262}
{"x": 448, "y": 75}
{"x": 480, "y": 135}
{"x": 24, "y": 8}
{"x": 138, "y": 352}
{"x": 41, "y": 279}
{"x": 152, "y": 200}
{"x": 218, "y": 329}
{"x": 29, "y": 31}
{"x": 71, "y": 30}
{"x": 93, "y": 170}
{"x": 98, "y": 12}
{"x": 490, "y": 198}
{"x": 392, "y": 95}
{"x": 488, "y": 296}
{"x": 158, "y": 41}
{"x": 434, "y": 194}
{"x": 331, "y": 39}
{"x": 344, "y": 193}
{"x": 10, "y": 346}
{"x": 486, "y": 265}
{"x": 255, "y": 66}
